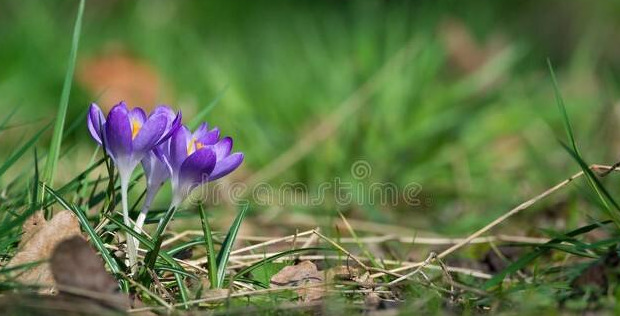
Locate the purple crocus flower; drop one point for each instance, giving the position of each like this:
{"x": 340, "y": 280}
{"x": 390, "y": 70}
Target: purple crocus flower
{"x": 190, "y": 159}
{"x": 128, "y": 137}
{"x": 199, "y": 157}
{"x": 156, "y": 171}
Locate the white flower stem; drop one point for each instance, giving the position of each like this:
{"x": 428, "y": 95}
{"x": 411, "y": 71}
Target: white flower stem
{"x": 132, "y": 252}
{"x": 150, "y": 195}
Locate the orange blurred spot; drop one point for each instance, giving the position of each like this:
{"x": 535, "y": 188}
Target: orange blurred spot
{"x": 117, "y": 76}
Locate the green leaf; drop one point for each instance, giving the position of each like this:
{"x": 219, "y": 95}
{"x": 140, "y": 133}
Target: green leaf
{"x": 147, "y": 242}
{"x": 52, "y": 159}
{"x": 598, "y": 188}
{"x": 176, "y": 271}
{"x": 208, "y": 239}
{"x": 34, "y": 204}
{"x": 562, "y": 107}
{"x": 149, "y": 260}
{"x": 593, "y": 181}
{"x": 526, "y": 259}
{"x": 224, "y": 254}
{"x": 264, "y": 273}
{"x": 24, "y": 266}
{"x": 178, "y": 248}
{"x": 151, "y": 257}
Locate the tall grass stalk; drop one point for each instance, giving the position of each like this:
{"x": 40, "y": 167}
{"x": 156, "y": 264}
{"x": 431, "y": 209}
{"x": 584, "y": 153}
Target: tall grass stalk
{"x": 52, "y": 159}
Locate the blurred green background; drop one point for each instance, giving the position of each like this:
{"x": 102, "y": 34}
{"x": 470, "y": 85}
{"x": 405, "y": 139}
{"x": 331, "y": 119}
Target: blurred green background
{"x": 453, "y": 96}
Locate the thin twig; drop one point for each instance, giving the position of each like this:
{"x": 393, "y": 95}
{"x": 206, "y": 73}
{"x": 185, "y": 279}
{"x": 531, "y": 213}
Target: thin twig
{"x": 355, "y": 258}
{"x": 381, "y": 239}
{"x": 271, "y": 242}
{"x": 426, "y": 262}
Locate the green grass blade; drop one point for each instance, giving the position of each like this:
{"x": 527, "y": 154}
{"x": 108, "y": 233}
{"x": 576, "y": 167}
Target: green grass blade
{"x": 24, "y": 266}
{"x": 593, "y": 181}
{"x": 34, "y": 205}
{"x": 17, "y": 154}
{"x": 151, "y": 257}
{"x": 562, "y": 108}
{"x": 149, "y": 260}
{"x": 200, "y": 117}
{"x": 148, "y": 243}
{"x": 208, "y": 239}
{"x": 597, "y": 187}
{"x": 224, "y": 254}
{"x": 52, "y": 159}
{"x": 526, "y": 259}
{"x": 176, "y": 271}
{"x": 176, "y": 249}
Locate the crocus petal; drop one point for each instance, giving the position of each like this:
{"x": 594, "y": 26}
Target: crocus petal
{"x": 95, "y": 122}
{"x": 196, "y": 168}
{"x": 226, "y": 166}
{"x": 201, "y": 131}
{"x": 118, "y": 132}
{"x": 223, "y": 147}
{"x": 178, "y": 146}
{"x": 150, "y": 133}
{"x": 137, "y": 114}
{"x": 155, "y": 169}
{"x": 170, "y": 115}
{"x": 171, "y": 127}
{"x": 211, "y": 137}
{"x": 164, "y": 109}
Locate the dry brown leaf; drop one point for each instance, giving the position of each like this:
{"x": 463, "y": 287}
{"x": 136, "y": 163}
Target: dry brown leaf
{"x": 304, "y": 273}
{"x": 76, "y": 266}
{"x": 75, "y": 263}
{"x": 39, "y": 240}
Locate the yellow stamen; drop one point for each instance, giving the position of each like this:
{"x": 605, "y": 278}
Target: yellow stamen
{"x": 193, "y": 146}
{"x": 135, "y": 128}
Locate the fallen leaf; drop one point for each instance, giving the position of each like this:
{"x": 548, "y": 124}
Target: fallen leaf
{"x": 75, "y": 263}
{"x": 40, "y": 237}
{"x": 31, "y": 226}
{"x": 304, "y": 273}
{"x": 52, "y": 305}
{"x": 79, "y": 271}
